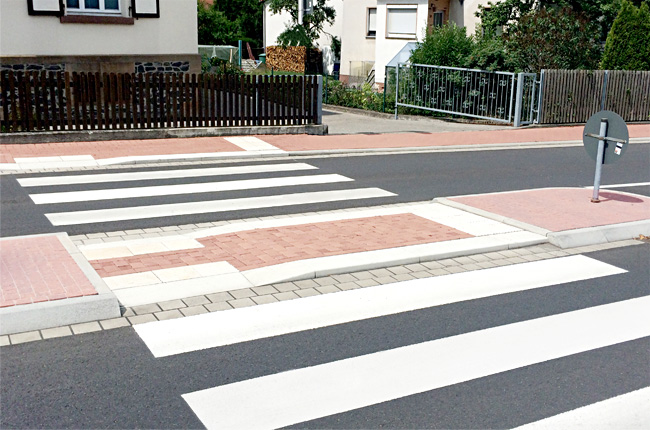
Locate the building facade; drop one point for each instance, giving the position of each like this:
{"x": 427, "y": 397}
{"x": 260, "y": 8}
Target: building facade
{"x": 119, "y": 36}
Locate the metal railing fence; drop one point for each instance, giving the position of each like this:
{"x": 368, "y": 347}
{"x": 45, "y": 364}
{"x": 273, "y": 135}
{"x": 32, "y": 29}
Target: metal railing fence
{"x": 468, "y": 92}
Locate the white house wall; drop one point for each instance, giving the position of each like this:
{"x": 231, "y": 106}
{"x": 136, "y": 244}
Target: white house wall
{"x": 386, "y": 47}
{"x": 464, "y": 15}
{"x": 175, "y": 32}
{"x": 356, "y": 46}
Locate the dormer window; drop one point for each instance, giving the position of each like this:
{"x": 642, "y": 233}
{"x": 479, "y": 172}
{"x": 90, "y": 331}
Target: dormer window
{"x": 93, "y": 6}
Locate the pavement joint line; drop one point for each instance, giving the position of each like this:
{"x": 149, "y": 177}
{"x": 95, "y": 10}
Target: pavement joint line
{"x": 218, "y": 302}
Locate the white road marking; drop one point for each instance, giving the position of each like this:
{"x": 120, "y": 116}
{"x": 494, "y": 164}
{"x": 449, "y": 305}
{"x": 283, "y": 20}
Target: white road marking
{"x": 250, "y": 143}
{"x": 628, "y": 185}
{"x": 175, "y": 209}
{"x": 161, "y": 174}
{"x": 171, "y": 337}
{"x": 629, "y": 411}
{"x": 300, "y": 395}
{"x": 194, "y": 188}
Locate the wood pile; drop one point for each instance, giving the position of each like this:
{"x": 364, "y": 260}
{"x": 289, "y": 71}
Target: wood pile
{"x": 294, "y": 59}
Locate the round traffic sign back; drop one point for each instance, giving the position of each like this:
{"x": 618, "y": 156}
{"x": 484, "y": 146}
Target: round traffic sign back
{"x": 616, "y": 128}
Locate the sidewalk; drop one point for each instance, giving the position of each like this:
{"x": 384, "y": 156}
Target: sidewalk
{"x": 53, "y": 285}
{"x": 22, "y": 157}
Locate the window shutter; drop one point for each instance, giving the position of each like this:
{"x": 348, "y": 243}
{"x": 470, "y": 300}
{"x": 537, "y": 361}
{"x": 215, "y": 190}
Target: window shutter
{"x": 146, "y": 8}
{"x": 45, "y": 7}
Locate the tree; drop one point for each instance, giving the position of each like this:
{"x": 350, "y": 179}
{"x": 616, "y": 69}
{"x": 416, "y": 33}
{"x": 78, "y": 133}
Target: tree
{"x": 627, "y": 46}
{"x": 553, "y": 39}
{"x": 505, "y": 13}
{"x": 447, "y": 45}
{"x": 226, "y": 22}
{"x": 312, "y": 23}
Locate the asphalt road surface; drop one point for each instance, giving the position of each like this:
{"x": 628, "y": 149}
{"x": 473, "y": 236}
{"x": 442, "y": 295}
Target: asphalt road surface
{"x": 141, "y": 197}
{"x": 113, "y": 379}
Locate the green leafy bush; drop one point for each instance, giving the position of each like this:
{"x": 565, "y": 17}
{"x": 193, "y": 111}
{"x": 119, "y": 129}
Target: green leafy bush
{"x": 553, "y": 39}
{"x": 447, "y": 45}
{"x": 628, "y": 42}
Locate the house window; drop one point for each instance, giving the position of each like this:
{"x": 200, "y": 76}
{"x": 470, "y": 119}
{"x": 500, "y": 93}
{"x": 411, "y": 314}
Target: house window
{"x": 371, "y": 22}
{"x": 93, "y": 6}
{"x": 438, "y": 19}
{"x": 401, "y": 21}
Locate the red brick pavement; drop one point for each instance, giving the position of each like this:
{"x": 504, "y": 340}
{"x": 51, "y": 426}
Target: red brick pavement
{"x": 118, "y": 148}
{"x": 559, "y": 209}
{"x": 39, "y": 269}
{"x": 265, "y": 247}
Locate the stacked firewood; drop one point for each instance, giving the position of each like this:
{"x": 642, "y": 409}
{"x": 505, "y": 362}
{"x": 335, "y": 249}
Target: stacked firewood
{"x": 289, "y": 59}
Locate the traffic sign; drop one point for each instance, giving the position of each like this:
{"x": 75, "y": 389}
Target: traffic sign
{"x": 617, "y": 136}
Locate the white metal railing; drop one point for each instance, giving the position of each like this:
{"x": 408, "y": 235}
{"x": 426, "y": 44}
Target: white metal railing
{"x": 467, "y": 92}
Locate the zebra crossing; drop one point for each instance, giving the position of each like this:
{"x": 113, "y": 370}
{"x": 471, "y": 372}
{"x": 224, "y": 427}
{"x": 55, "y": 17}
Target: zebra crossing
{"x": 355, "y": 382}
{"x": 155, "y": 195}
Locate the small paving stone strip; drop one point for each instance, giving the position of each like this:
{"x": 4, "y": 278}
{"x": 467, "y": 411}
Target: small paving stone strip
{"x": 294, "y": 290}
{"x": 269, "y": 246}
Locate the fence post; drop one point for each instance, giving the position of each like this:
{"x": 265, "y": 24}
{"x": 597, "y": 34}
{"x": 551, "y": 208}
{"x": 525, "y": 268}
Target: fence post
{"x": 540, "y": 96}
{"x": 396, "y": 88}
{"x": 519, "y": 100}
{"x": 319, "y": 100}
{"x": 603, "y": 94}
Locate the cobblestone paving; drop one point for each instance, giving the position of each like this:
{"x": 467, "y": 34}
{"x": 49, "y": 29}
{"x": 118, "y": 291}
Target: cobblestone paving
{"x": 294, "y": 290}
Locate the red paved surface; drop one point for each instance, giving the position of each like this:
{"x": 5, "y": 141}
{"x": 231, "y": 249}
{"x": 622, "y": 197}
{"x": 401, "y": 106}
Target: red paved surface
{"x": 400, "y": 140}
{"x": 39, "y": 269}
{"x": 118, "y": 148}
{"x": 266, "y": 247}
{"x": 560, "y": 209}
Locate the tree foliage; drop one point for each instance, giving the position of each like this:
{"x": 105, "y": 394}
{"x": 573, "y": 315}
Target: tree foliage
{"x": 553, "y": 38}
{"x": 226, "y": 22}
{"x": 447, "y": 45}
{"x": 312, "y": 23}
{"x": 628, "y": 43}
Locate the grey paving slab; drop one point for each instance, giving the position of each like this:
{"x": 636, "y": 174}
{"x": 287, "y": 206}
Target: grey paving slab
{"x": 286, "y": 286}
{"x": 88, "y": 327}
{"x": 264, "y": 290}
{"x": 219, "y": 297}
{"x": 348, "y": 286}
{"x": 196, "y": 301}
{"x": 261, "y": 300}
{"x": 362, "y": 275}
{"x": 4, "y": 340}
{"x": 326, "y": 289}
{"x": 307, "y": 292}
{"x": 171, "y": 304}
{"x": 363, "y": 283}
{"x": 243, "y": 293}
{"x": 327, "y": 280}
{"x": 286, "y": 295}
{"x": 241, "y": 303}
{"x": 344, "y": 278}
{"x": 398, "y": 270}
{"x": 168, "y": 315}
{"x": 29, "y": 336}
{"x": 306, "y": 284}
{"x": 218, "y": 306}
{"x": 146, "y": 309}
{"x": 439, "y": 272}
{"x": 140, "y": 319}
{"x": 114, "y": 323}
{"x": 193, "y": 310}
{"x": 50, "y": 333}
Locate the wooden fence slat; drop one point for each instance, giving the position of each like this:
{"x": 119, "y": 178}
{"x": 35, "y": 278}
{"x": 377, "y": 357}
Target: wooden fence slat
{"x": 5, "y": 99}
{"x": 15, "y": 103}
{"x": 92, "y": 117}
{"x": 38, "y": 100}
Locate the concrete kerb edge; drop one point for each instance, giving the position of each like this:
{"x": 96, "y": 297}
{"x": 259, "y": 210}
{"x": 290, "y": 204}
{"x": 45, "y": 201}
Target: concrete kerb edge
{"x": 56, "y": 313}
{"x": 296, "y": 271}
{"x": 163, "y": 133}
{"x": 599, "y": 234}
{"x": 493, "y": 216}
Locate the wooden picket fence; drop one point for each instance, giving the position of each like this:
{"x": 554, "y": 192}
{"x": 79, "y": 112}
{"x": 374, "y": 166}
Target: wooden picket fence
{"x": 56, "y": 101}
{"x": 572, "y": 96}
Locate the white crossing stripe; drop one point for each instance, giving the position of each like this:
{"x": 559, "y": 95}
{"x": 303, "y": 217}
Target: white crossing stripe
{"x": 178, "y": 336}
{"x": 176, "y": 209}
{"x": 629, "y": 411}
{"x": 194, "y": 188}
{"x": 636, "y": 184}
{"x": 250, "y": 143}
{"x": 161, "y": 174}
{"x": 309, "y": 393}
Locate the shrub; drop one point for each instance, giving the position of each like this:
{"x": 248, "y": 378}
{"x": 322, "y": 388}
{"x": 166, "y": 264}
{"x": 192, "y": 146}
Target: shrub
{"x": 448, "y": 45}
{"x": 553, "y": 39}
{"x": 628, "y": 42}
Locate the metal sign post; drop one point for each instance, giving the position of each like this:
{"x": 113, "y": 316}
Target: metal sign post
{"x": 609, "y": 124}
